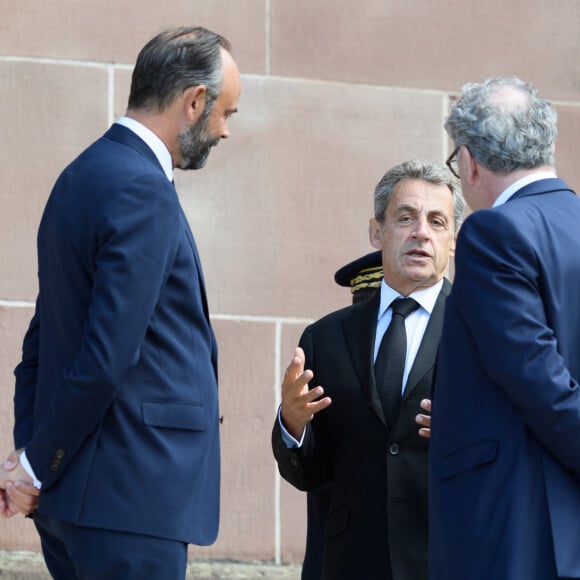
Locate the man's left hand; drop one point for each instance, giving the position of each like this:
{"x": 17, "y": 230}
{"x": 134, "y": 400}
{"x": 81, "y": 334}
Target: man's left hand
{"x": 17, "y": 492}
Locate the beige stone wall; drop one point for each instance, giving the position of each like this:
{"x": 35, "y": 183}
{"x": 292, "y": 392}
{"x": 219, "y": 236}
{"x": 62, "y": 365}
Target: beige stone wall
{"x": 334, "y": 93}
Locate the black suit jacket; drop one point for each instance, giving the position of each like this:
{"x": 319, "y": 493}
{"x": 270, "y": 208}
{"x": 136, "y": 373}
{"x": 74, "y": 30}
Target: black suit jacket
{"x": 378, "y": 505}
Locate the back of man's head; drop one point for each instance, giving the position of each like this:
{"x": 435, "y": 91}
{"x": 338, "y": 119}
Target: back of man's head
{"x": 174, "y": 60}
{"x": 505, "y": 125}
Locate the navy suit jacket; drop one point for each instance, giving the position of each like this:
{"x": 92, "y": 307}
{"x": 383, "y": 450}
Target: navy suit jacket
{"x": 505, "y": 442}
{"x": 116, "y": 395}
{"x": 378, "y": 472}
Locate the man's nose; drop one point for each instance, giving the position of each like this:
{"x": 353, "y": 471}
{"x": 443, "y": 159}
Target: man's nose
{"x": 421, "y": 229}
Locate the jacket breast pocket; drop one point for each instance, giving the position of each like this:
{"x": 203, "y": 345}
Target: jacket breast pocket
{"x": 469, "y": 458}
{"x": 174, "y": 415}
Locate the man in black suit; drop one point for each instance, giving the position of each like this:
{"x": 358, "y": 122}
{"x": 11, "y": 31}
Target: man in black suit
{"x": 334, "y": 424}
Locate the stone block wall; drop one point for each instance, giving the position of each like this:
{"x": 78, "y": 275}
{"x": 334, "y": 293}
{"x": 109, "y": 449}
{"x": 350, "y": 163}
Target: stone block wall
{"x": 334, "y": 93}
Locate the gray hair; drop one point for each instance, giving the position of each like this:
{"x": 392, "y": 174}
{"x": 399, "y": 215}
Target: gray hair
{"x": 175, "y": 60}
{"x": 431, "y": 172}
{"x": 504, "y": 135}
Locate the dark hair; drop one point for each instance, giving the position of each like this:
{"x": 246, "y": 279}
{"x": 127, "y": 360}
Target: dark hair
{"x": 175, "y": 60}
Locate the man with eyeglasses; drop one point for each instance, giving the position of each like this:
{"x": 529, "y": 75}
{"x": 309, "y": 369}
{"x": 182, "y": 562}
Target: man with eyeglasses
{"x": 505, "y": 444}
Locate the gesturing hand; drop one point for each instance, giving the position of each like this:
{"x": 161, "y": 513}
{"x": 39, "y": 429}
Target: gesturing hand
{"x": 17, "y": 493}
{"x": 299, "y": 404}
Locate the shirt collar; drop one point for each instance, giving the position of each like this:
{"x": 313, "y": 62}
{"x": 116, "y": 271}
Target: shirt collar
{"x": 155, "y": 144}
{"x": 426, "y": 297}
{"x": 517, "y": 185}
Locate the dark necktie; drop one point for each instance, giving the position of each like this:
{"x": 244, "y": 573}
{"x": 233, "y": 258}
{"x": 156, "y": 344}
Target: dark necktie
{"x": 390, "y": 362}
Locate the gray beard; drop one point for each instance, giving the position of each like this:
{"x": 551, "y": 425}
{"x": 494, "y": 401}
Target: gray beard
{"x": 196, "y": 143}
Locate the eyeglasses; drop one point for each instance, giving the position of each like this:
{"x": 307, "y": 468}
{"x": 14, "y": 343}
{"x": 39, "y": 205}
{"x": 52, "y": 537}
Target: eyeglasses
{"x": 452, "y": 162}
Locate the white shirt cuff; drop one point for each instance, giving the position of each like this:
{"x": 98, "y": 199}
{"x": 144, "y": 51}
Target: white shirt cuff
{"x": 26, "y": 466}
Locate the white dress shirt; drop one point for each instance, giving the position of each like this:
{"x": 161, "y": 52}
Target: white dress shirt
{"x": 415, "y": 325}
{"x": 517, "y": 185}
{"x": 154, "y": 143}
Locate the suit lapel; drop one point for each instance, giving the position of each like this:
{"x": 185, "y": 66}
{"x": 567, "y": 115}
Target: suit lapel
{"x": 197, "y": 261}
{"x": 427, "y": 353}
{"x": 202, "y": 291}
{"x": 359, "y": 334}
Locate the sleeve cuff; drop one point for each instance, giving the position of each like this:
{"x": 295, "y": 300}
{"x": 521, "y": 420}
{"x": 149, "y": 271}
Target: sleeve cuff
{"x": 26, "y": 466}
{"x": 288, "y": 440}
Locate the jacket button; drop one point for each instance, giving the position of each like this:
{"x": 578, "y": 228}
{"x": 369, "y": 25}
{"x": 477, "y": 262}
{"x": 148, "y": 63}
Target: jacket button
{"x": 60, "y": 453}
{"x": 394, "y": 449}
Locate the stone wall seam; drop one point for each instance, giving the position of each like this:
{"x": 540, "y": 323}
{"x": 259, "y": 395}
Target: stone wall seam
{"x": 560, "y": 103}
{"x": 339, "y": 83}
{"x": 268, "y": 38}
{"x": 258, "y": 318}
{"x": 7, "y": 303}
{"x": 445, "y": 101}
{"x": 63, "y": 62}
{"x": 277, "y": 482}
{"x": 111, "y": 94}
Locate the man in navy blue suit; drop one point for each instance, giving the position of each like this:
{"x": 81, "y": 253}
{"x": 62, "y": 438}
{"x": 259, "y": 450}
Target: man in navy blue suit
{"x": 505, "y": 442}
{"x": 116, "y": 403}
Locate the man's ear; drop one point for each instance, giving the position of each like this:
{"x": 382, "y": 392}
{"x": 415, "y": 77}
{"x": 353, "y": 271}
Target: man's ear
{"x": 194, "y": 102}
{"x": 470, "y": 165}
{"x": 453, "y": 245}
{"x": 375, "y": 234}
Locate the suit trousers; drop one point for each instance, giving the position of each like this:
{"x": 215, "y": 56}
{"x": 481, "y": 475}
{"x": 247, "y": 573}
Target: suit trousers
{"x": 81, "y": 553}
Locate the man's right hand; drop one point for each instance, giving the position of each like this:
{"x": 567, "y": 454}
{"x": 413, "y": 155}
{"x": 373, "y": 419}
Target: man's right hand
{"x": 299, "y": 404}
{"x": 17, "y": 493}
